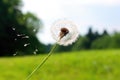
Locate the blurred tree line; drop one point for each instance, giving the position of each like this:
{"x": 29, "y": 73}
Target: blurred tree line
{"x": 94, "y": 40}
{"x": 18, "y": 34}
{"x": 18, "y": 30}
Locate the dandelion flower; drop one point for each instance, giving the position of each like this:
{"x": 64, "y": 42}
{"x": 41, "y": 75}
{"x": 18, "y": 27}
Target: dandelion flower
{"x": 64, "y": 32}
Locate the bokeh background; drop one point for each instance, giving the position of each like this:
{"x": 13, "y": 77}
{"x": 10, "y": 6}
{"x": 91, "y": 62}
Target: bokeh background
{"x": 25, "y": 39}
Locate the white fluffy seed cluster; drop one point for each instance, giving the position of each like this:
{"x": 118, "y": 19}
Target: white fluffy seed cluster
{"x": 70, "y": 37}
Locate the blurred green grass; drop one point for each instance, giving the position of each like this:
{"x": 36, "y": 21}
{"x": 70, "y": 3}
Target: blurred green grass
{"x": 83, "y": 65}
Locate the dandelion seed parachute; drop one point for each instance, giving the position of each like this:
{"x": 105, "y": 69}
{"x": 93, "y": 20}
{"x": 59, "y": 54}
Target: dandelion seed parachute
{"x": 69, "y": 30}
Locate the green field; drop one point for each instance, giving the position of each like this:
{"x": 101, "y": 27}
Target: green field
{"x": 83, "y": 65}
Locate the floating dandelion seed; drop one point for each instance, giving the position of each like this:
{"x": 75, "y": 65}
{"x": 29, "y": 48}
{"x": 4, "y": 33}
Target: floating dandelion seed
{"x": 13, "y": 28}
{"x": 15, "y": 39}
{"x": 25, "y": 37}
{"x": 26, "y": 44}
{"x": 34, "y": 30}
{"x": 35, "y": 52}
{"x": 15, "y": 54}
{"x": 64, "y": 32}
{"x": 20, "y": 34}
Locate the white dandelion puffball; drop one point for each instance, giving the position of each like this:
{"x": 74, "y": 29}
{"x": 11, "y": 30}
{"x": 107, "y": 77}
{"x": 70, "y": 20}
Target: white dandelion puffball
{"x": 64, "y": 32}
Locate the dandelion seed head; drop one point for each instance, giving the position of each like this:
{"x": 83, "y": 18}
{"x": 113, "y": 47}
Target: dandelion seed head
{"x": 64, "y": 32}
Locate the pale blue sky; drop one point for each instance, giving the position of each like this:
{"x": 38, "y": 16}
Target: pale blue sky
{"x": 101, "y": 14}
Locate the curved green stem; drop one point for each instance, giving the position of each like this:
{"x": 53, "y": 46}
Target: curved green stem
{"x": 43, "y": 61}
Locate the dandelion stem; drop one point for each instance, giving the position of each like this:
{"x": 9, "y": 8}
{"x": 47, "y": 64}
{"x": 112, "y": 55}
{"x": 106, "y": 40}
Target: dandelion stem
{"x": 43, "y": 61}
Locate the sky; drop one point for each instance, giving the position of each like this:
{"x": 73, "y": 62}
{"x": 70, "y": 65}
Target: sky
{"x": 98, "y": 14}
